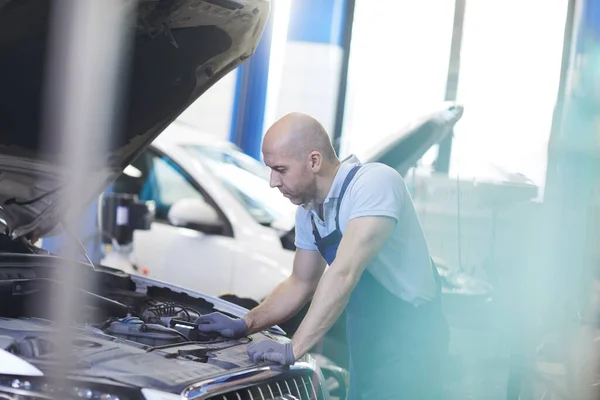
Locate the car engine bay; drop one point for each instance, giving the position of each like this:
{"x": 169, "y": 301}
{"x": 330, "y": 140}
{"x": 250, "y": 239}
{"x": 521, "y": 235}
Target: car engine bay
{"x": 130, "y": 333}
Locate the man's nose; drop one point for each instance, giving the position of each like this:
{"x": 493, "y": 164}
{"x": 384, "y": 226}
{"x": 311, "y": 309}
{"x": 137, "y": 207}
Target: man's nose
{"x": 274, "y": 180}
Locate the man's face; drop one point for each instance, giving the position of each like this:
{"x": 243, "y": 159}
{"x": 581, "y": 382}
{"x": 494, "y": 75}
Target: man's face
{"x": 292, "y": 176}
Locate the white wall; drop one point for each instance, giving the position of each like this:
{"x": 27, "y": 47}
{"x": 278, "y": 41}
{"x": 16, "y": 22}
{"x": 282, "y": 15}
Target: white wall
{"x": 309, "y": 82}
{"x": 303, "y": 76}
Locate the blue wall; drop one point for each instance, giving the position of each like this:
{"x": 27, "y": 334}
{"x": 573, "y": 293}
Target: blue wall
{"x": 251, "y": 95}
{"x": 317, "y": 21}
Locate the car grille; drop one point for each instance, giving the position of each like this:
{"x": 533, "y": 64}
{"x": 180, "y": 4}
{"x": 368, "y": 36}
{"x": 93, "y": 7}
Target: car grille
{"x": 295, "y": 387}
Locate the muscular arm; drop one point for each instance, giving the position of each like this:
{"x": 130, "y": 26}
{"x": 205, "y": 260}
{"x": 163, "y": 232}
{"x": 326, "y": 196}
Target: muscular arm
{"x": 362, "y": 239}
{"x": 290, "y": 295}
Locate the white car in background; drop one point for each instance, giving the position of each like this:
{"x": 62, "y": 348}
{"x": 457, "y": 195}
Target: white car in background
{"x": 215, "y": 214}
{"x": 219, "y": 227}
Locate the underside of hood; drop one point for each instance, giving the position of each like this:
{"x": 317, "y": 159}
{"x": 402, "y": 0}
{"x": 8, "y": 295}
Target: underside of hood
{"x": 180, "y": 48}
{"x": 403, "y": 149}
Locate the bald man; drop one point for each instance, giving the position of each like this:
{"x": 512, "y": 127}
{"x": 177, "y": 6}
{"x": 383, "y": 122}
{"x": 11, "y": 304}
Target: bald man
{"x": 360, "y": 221}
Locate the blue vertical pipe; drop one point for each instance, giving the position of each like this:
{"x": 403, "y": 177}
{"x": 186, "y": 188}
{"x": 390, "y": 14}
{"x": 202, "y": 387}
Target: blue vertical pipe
{"x": 248, "y": 114}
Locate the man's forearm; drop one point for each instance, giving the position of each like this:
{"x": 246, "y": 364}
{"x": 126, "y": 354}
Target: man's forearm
{"x": 282, "y": 304}
{"x": 328, "y": 303}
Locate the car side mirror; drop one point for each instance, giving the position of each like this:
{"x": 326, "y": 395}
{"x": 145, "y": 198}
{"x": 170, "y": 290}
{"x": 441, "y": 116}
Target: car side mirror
{"x": 195, "y": 214}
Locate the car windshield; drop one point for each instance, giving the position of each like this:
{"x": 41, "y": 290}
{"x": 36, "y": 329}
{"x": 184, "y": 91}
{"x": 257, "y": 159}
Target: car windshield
{"x": 247, "y": 179}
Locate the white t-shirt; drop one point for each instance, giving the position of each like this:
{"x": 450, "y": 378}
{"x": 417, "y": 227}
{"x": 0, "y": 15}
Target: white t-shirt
{"x": 403, "y": 265}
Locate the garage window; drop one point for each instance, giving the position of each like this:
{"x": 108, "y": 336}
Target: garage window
{"x": 509, "y": 78}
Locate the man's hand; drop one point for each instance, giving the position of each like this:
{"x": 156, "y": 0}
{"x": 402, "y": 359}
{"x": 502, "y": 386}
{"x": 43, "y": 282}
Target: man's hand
{"x": 227, "y": 327}
{"x": 270, "y": 350}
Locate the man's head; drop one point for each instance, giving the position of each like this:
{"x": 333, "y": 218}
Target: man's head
{"x": 302, "y": 160}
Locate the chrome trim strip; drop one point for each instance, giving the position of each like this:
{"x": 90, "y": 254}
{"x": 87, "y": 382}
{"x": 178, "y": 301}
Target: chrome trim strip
{"x": 242, "y": 378}
{"x": 306, "y": 387}
{"x": 297, "y": 388}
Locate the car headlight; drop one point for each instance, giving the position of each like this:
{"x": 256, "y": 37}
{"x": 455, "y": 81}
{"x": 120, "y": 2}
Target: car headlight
{"x": 33, "y": 388}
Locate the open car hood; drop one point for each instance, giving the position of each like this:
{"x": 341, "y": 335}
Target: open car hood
{"x": 403, "y": 149}
{"x": 180, "y": 49}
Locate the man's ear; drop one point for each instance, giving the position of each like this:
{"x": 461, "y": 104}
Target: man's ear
{"x": 315, "y": 161}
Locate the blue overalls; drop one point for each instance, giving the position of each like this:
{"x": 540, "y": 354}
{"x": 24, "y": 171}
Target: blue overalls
{"x": 396, "y": 349}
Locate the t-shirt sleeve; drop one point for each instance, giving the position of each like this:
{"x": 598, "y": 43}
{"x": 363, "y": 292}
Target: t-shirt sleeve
{"x": 304, "y": 237}
{"x": 379, "y": 191}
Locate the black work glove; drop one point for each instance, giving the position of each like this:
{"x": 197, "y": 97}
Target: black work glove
{"x": 221, "y": 323}
{"x": 270, "y": 350}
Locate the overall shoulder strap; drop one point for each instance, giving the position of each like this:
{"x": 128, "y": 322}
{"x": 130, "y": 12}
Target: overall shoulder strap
{"x": 347, "y": 181}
